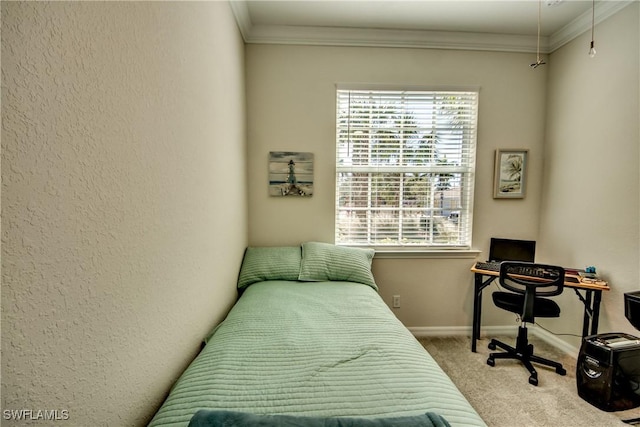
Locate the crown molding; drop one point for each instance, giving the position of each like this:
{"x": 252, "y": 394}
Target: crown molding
{"x": 243, "y": 19}
{"x": 575, "y": 28}
{"x": 363, "y": 37}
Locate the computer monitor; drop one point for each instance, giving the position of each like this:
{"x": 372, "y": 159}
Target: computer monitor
{"x": 512, "y": 250}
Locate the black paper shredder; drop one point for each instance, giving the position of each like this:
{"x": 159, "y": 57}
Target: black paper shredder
{"x": 608, "y": 371}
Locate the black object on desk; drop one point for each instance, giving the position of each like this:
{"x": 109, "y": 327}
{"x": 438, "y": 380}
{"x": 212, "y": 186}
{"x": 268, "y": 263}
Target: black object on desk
{"x": 512, "y": 250}
{"x": 591, "y": 301}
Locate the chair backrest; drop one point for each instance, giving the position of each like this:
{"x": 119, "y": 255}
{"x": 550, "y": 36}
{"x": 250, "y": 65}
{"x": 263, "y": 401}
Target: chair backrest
{"x": 539, "y": 279}
{"x": 533, "y": 281}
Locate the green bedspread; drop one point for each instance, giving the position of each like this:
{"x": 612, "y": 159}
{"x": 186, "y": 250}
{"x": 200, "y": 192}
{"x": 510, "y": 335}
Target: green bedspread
{"x": 321, "y": 349}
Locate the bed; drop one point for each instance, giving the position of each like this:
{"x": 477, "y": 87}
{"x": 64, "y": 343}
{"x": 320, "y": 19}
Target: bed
{"x": 310, "y": 338}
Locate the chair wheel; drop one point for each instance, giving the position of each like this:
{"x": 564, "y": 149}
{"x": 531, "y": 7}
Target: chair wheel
{"x": 533, "y": 380}
{"x": 492, "y": 346}
{"x": 491, "y": 361}
{"x": 561, "y": 371}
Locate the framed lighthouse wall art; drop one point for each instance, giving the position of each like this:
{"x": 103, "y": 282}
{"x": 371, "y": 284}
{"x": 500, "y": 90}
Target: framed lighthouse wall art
{"x": 290, "y": 174}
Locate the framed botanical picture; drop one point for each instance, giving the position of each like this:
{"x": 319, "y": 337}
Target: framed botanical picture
{"x": 290, "y": 174}
{"x": 510, "y": 175}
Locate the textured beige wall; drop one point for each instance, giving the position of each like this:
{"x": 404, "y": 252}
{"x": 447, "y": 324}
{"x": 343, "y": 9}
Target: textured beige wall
{"x": 124, "y": 214}
{"x": 591, "y": 211}
{"x": 291, "y": 106}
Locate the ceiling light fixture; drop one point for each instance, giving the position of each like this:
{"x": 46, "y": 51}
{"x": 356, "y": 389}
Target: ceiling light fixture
{"x": 592, "y": 50}
{"x": 538, "y": 62}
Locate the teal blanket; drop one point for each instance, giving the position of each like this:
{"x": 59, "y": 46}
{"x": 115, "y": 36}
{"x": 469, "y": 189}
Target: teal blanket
{"x": 205, "y": 418}
{"x": 317, "y": 349}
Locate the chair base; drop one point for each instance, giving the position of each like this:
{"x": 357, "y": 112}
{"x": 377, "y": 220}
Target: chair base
{"x": 523, "y": 351}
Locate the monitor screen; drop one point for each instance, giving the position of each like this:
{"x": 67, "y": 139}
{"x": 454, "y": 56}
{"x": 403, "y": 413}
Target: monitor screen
{"x": 512, "y": 250}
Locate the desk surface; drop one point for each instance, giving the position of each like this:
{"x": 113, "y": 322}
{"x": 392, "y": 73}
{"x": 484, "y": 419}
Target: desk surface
{"x": 571, "y": 281}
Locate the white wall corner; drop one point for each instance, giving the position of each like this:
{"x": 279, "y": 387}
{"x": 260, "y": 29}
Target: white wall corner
{"x": 243, "y": 19}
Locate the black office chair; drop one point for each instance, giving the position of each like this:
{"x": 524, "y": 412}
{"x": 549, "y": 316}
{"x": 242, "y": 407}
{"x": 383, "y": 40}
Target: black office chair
{"x": 529, "y": 283}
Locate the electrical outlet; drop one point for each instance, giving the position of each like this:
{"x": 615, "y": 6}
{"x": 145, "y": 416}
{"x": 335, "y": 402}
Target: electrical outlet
{"x": 396, "y": 301}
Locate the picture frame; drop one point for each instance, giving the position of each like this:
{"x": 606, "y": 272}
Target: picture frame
{"x": 510, "y": 174}
{"x": 290, "y": 174}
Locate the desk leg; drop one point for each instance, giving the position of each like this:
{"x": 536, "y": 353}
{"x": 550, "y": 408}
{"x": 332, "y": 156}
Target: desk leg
{"x": 477, "y": 310}
{"x": 596, "y": 311}
{"x": 586, "y": 321}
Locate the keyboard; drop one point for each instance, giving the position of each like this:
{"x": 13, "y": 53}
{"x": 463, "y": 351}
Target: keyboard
{"x": 524, "y": 271}
{"x": 488, "y": 265}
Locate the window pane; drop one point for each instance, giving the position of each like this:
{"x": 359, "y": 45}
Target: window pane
{"x": 405, "y": 166}
{"x": 385, "y": 227}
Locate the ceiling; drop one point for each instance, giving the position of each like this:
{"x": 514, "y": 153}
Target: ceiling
{"x": 504, "y": 25}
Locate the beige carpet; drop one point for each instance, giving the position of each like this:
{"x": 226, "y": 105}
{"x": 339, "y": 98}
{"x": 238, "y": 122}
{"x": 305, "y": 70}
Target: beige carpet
{"x": 502, "y": 394}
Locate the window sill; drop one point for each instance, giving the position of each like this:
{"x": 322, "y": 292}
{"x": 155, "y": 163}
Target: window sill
{"x": 441, "y": 254}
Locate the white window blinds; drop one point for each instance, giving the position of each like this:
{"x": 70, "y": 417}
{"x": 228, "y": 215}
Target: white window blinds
{"x": 405, "y": 163}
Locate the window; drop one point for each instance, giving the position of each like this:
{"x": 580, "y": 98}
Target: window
{"x": 405, "y": 164}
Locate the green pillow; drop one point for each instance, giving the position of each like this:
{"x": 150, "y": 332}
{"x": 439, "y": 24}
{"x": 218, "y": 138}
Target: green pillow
{"x": 269, "y": 263}
{"x": 325, "y": 262}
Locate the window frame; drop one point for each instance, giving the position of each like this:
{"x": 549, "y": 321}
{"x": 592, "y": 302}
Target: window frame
{"x": 463, "y": 249}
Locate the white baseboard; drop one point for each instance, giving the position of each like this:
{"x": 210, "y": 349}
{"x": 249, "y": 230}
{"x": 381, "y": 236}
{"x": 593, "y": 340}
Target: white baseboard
{"x": 439, "y": 331}
{"x": 554, "y": 340}
{"x": 450, "y": 331}
{"x": 509, "y": 330}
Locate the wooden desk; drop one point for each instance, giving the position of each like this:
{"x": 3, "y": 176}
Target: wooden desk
{"x": 591, "y": 300}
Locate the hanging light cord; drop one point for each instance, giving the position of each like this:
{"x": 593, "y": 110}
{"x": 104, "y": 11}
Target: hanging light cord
{"x": 538, "y": 61}
{"x": 592, "y": 49}
{"x": 593, "y": 18}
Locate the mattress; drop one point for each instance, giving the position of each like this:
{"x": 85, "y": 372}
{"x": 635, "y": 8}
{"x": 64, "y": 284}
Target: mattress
{"x": 319, "y": 349}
